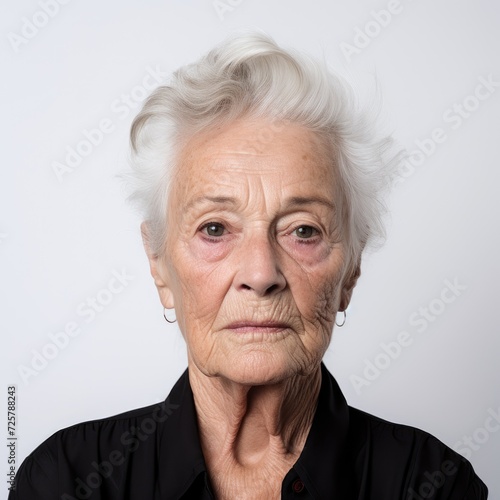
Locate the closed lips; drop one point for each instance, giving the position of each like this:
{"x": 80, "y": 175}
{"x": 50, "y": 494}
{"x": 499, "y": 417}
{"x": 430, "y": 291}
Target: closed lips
{"x": 257, "y": 325}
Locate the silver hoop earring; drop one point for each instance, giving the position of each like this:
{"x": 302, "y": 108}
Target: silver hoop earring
{"x": 343, "y": 322}
{"x": 166, "y": 319}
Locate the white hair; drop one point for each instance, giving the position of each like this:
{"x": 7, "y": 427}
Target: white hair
{"x": 251, "y": 76}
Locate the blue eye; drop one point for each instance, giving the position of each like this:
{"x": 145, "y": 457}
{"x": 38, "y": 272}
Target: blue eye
{"x": 305, "y": 232}
{"x": 213, "y": 229}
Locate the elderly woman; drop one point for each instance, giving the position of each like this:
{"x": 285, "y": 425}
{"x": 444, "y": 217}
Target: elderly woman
{"x": 261, "y": 187}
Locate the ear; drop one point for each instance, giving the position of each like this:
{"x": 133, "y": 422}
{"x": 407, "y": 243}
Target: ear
{"x": 350, "y": 281}
{"x": 158, "y": 270}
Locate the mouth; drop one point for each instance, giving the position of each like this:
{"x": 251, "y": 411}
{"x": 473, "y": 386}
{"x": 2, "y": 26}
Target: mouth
{"x": 264, "y": 327}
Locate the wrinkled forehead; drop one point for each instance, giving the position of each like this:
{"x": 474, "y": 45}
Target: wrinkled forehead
{"x": 280, "y": 158}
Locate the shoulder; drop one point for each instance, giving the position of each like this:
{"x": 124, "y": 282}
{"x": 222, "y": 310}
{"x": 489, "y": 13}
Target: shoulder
{"x": 89, "y": 447}
{"x": 418, "y": 464}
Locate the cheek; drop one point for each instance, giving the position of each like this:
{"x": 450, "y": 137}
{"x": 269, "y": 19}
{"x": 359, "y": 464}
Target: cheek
{"x": 317, "y": 295}
{"x": 199, "y": 292}
{"x": 327, "y": 302}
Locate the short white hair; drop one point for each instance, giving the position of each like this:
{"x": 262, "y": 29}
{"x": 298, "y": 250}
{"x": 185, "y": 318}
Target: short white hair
{"x": 249, "y": 75}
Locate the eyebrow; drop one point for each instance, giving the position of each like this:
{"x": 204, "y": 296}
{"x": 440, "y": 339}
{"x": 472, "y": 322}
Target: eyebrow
{"x": 295, "y": 201}
{"x": 298, "y": 201}
{"x": 221, "y": 200}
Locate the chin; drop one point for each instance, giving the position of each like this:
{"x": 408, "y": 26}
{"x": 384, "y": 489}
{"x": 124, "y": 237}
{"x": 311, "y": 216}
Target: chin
{"x": 260, "y": 368}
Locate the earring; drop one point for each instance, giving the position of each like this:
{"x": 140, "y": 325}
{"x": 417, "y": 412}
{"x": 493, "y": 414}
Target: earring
{"x": 168, "y": 320}
{"x": 343, "y": 322}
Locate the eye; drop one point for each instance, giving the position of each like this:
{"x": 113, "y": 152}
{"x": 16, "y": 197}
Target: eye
{"x": 305, "y": 232}
{"x": 213, "y": 229}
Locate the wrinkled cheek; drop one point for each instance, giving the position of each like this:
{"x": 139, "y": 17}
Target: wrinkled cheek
{"x": 326, "y": 304}
{"x": 199, "y": 306}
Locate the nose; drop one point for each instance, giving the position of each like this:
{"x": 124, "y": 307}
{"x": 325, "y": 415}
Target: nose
{"x": 258, "y": 267}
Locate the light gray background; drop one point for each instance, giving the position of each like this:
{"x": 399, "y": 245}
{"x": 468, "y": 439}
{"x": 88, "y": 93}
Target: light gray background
{"x": 61, "y": 241}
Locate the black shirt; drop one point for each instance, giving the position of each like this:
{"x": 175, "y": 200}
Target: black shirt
{"x": 155, "y": 453}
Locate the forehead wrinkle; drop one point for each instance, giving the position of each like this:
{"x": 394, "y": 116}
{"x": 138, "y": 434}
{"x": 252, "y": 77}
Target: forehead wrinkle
{"x": 213, "y": 160}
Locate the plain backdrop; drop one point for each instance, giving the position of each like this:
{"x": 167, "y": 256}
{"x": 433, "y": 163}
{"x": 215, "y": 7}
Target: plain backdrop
{"x": 68, "y": 69}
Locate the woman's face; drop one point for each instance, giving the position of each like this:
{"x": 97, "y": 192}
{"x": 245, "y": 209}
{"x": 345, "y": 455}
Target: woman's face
{"x": 255, "y": 265}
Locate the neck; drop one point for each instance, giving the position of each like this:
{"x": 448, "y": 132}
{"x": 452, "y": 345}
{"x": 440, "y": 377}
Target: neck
{"x": 253, "y": 426}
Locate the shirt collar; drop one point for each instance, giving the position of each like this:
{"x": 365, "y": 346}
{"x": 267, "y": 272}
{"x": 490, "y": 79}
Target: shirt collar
{"x": 180, "y": 456}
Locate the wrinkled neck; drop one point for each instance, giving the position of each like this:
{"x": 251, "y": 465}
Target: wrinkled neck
{"x": 251, "y": 425}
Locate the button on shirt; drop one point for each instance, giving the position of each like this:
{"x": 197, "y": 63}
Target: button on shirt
{"x": 155, "y": 453}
